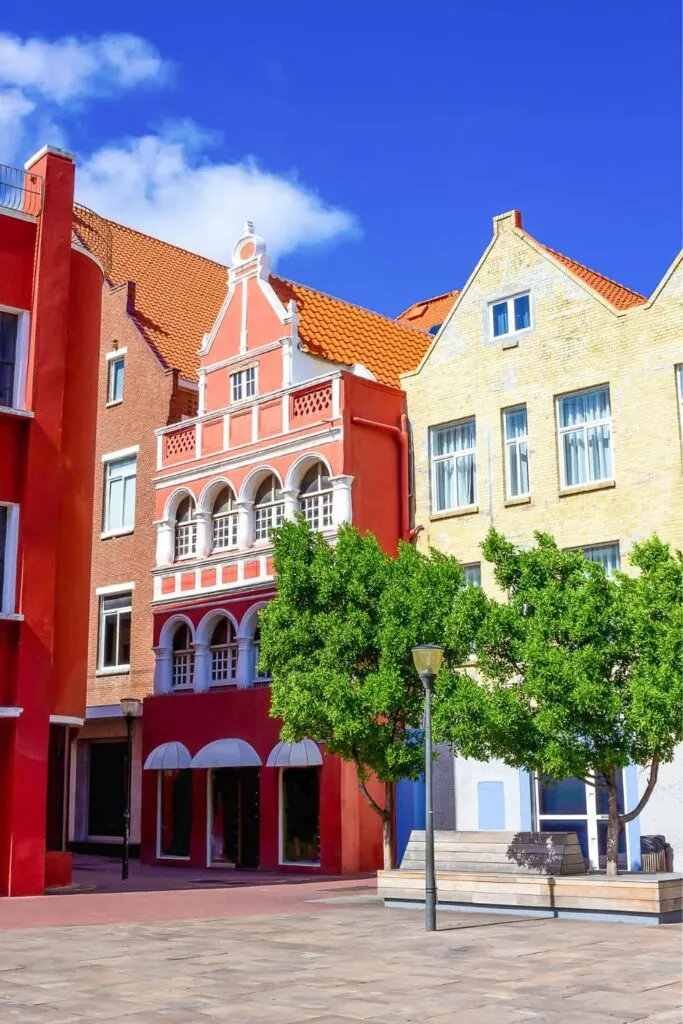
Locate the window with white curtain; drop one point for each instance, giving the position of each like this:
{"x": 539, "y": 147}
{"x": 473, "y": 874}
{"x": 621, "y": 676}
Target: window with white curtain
{"x": 454, "y": 465}
{"x": 119, "y": 494}
{"x": 509, "y": 316}
{"x": 585, "y": 435}
{"x": 607, "y": 555}
{"x": 472, "y": 572}
{"x": 516, "y": 452}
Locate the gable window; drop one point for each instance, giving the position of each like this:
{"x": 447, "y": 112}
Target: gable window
{"x": 606, "y": 554}
{"x": 585, "y": 434}
{"x": 9, "y": 329}
{"x": 186, "y": 529}
{"x": 454, "y": 468}
{"x": 115, "y": 371}
{"x": 119, "y": 494}
{"x": 316, "y": 497}
{"x": 224, "y": 520}
{"x": 510, "y": 315}
{"x": 243, "y": 384}
{"x": 516, "y": 452}
{"x": 114, "y": 643}
{"x": 269, "y": 508}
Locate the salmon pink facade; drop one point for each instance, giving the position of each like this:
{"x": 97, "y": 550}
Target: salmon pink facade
{"x": 285, "y": 426}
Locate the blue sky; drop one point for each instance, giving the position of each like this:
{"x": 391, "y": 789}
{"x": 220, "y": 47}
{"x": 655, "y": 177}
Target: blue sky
{"x": 372, "y": 142}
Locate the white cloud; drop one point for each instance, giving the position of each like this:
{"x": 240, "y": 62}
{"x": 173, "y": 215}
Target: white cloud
{"x": 159, "y": 185}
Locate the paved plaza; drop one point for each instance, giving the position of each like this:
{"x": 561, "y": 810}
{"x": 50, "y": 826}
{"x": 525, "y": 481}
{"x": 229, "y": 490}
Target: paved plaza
{"x": 320, "y": 951}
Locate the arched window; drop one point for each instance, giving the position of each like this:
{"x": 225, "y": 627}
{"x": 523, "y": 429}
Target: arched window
{"x": 223, "y": 653}
{"x": 224, "y": 520}
{"x": 315, "y": 497}
{"x": 269, "y": 508}
{"x": 186, "y": 528}
{"x": 183, "y": 658}
{"x": 260, "y": 678}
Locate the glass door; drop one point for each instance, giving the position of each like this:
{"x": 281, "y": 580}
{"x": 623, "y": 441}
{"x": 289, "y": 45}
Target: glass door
{"x": 570, "y": 805}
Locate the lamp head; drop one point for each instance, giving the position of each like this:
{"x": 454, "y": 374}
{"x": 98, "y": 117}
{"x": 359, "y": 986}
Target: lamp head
{"x": 428, "y": 658}
{"x": 130, "y": 706}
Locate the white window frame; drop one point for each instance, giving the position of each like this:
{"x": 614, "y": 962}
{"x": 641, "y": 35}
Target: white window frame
{"x": 118, "y": 669}
{"x": 679, "y": 388}
{"x": 118, "y": 355}
{"x": 243, "y": 384}
{"x": 454, "y": 456}
{"x": 512, "y": 330}
{"x": 21, "y": 356}
{"x": 471, "y": 567}
{"x": 512, "y": 451}
{"x": 9, "y": 578}
{"x": 591, "y": 817}
{"x": 119, "y": 456}
{"x": 561, "y": 431}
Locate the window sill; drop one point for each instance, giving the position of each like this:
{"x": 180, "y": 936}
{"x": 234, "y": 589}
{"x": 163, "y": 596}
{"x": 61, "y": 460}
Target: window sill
{"x": 115, "y": 670}
{"x": 523, "y": 499}
{"x": 595, "y": 485}
{"x": 10, "y": 410}
{"x": 11, "y": 617}
{"x": 510, "y": 343}
{"x": 110, "y": 405}
{"x": 106, "y": 534}
{"x": 466, "y": 510}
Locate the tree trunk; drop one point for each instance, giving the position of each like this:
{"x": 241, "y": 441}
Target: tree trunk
{"x": 388, "y": 826}
{"x": 612, "y": 825}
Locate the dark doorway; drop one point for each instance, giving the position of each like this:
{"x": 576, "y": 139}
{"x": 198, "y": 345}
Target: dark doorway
{"x": 235, "y": 817}
{"x": 107, "y": 788}
{"x": 300, "y": 805}
{"x": 175, "y": 812}
{"x": 57, "y": 780}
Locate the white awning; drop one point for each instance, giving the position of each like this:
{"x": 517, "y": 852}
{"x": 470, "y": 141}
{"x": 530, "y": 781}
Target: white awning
{"x": 304, "y": 754}
{"x": 229, "y": 753}
{"x": 168, "y": 756}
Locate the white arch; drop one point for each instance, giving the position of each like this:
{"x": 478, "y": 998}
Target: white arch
{"x": 211, "y": 492}
{"x": 297, "y": 471}
{"x": 169, "y": 628}
{"x": 206, "y": 625}
{"x": 254, "y": 479}
{"x": 247, "y": 626}
{"x": 174, "y": 499}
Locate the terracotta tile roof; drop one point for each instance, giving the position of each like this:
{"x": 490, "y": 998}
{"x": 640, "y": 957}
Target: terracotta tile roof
{"x": 179, "y": 294}
{"x": 616, "y": 294}
{"x": 430, "y": 312}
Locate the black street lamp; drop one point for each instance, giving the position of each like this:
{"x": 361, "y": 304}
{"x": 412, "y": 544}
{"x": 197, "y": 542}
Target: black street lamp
{"x": 428, "y": 660}
{"x": 130, "y": 706}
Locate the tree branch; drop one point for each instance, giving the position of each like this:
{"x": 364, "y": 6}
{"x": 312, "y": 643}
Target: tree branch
{"x": 651, "y": 783}
{"x": 364, "y": 789}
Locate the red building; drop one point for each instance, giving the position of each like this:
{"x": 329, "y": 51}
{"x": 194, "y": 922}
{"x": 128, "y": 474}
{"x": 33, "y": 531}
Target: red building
{"x": 50, "y": 301}
{"x": 299, "y": 410}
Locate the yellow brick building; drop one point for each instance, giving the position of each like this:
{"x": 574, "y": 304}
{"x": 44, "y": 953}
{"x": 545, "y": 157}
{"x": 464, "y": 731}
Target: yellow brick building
{"x": 550, "y": 399}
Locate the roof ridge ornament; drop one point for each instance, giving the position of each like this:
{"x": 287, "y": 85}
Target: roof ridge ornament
{"x": 248, "y": 250}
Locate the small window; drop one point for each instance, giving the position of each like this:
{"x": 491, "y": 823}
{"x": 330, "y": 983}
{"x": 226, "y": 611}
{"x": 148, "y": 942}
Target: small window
{"x": 115, "y": 380}
{"x": 472, "y": 571}
{"x": 9, "y": 329}
{"x": 225, "y": 521}
{"x": 269, "y": 508}
{"x": 516, "y": 452}
{"x": 679, "y": 386}
{"x": 243, "y": 384}
{"x": 585, "y": 434}
{"x": 186, "y": 529}
{"x": 115, "y": 617}
{"x": 316, "y": 497}
{"x": 119, "y": 494}
{"x": 509, "y": 316}
{"x": 607, "y": 555}
{"x": 454, "y": 467}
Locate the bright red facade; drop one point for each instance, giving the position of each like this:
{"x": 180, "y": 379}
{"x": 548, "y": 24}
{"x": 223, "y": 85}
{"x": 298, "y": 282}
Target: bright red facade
{"x": 280, "y": 430}
{"x": 50, "y": 302}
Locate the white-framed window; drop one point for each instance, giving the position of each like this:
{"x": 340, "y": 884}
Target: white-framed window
{"x": 608, "y": 555}
{"x": 679, "y": 388}
{"x": 182, "y": 659}
{"x": 225, "y": 517}
{"x": 243, "y": 384}
{"x": 260, "y": 678}
{"x": 269, "y": 508}
{"x": 510, "y": 316}
{"x": 14, "y": 342}
{"x": 116, "y": 363}
{"x": 223, "y": 654}
{"x": 516, "y": 452}
{"x": 454, "y": 465}
{"x": 585, "y": 437}
{"x": 186, "y": 529}
{"x": 472, "y": 571}
{"x": 315, "y": 497}
{"x": 570, "y": 805}
{"x": 114, "y": 641}
{"x": 9, "y": 543}
{"x": 119, "y": 494}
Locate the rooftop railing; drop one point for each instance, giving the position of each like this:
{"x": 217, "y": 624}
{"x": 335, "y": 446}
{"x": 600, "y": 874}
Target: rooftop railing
{"x": 94, "y": 234}
{"x": 20, "y": 190}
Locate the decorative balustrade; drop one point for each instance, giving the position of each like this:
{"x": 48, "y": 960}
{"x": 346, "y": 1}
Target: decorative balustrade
{"x": 20, "y": 190}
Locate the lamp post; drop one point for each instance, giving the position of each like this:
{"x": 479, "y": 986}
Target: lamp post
{"x": 428, "y": 658}
{"x": 130, "y": 706}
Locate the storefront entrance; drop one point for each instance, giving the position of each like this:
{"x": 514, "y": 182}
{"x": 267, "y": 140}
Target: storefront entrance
{"x": 233, "y": 839}
{"x": 300, "y": 816}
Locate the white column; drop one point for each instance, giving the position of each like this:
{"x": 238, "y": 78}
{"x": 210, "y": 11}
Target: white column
{"x": 244, "y": 675}
{"x": 287, "y": 363}
{"x": 245, "y": 524}
{"x": 165, "y": 542}
{"x": 163, "y": 682}
{"x": 291, "y": 499}
{"x": 202, "y": 667}
{"x": 204, "y": 533}
{"x": 202, "y": 393}
{"x": 341, "y": 499}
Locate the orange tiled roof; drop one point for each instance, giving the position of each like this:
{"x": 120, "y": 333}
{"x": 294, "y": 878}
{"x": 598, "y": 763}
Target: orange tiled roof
{"x": 178, "y": 296}
{"x": 616, "y": 294}
{"x": 430, "y": 312}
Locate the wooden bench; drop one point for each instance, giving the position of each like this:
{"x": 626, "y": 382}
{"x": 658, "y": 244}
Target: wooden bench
{"x": 545, "y": 853}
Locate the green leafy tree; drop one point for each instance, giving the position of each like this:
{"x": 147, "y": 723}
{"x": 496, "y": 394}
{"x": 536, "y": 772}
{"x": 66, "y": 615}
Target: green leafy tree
{"x": 337, "y": 640}
{"x": 577, "y": 674}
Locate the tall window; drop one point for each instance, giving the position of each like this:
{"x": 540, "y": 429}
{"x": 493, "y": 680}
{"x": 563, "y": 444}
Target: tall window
{"x": 243, "y": 384}
{"x": 115, "y": 371}
{"x": 3, "y": 556}
{"x": 182, "y": 662}
{"x": 454, "y": 467}
{"x": 569, "y": 805}
{"x": 300, "y": 812}
{"x": 186, "y": 529}
{"x": 516, "y": 452}
{"x": 679, "y": 386}
{"x": 9, "y": 327}
{"x": 606, "y": 554}
{"x": 316, "y": 497}
{"x": 115, "y": 616}
{"x": 260, "y": 678}
{"x": 472, "y": 571}
{"x": 119, "y": 497}
{"x": 510, "y": 315}
{"x": 223, "y": 653}
{"x": 224, "y": 521}
{"x": 175, "y": 813}
{"x": 585, "y": 428}
{"x": 269, "y": 508}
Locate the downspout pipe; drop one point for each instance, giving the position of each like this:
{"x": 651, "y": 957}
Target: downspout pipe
{"x": 401, "y": 435}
